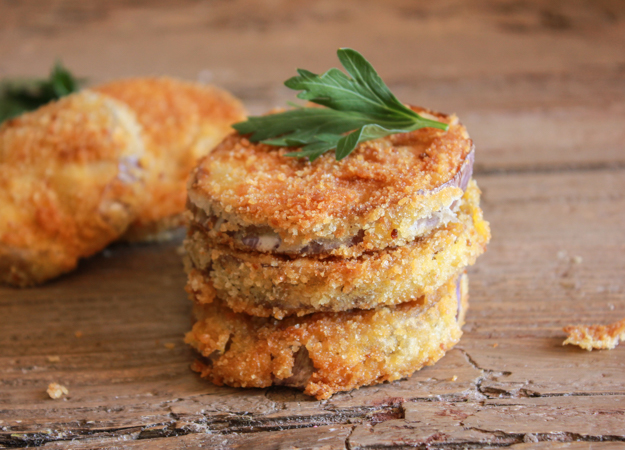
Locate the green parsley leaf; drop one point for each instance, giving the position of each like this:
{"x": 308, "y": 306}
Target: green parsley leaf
{"x": 20, "y": 96}
{"x": 357, "y": 109}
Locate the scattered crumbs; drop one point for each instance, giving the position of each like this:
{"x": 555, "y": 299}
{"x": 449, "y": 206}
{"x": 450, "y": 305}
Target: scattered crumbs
{"x": 568, "y": 284}
{"x": 562, "y": 254}
{"x": 611, "y": 306}
{"x": 170, "y": 345}
{"x": 496, "y": 344}
{"x": 54, "y": 359}
{"x": 56, "y": 390}
{"x": 589, "y": 337}
{"x": 454, "y": 378}
{"x": 577, "y": 259}
{"x": 78, "y": 334}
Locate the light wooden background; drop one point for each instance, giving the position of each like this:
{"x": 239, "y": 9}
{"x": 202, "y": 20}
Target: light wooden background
{"x": 541, "y": 87}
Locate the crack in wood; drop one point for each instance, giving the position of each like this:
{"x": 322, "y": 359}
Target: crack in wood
{"x": 493, "y": 392}
{"x": 228, "y": 424}
{"x": 495, "y": 439}
{"x": 348, "y": 445}
{"x": 550, "y": 437}
{"x": 487, "y": 374}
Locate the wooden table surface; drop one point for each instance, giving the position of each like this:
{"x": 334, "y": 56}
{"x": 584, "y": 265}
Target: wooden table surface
{"x": 541, "y": 88}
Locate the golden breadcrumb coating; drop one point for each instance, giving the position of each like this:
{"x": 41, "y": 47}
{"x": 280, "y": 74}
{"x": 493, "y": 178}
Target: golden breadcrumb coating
{"x": 71, "y": 179}
{"x": 182, "y": 121}
{"x": 56, "y": 390}
{"x": 266, "y": 284}
{"x": 251, "y": 196}
{"x": 595, "y": 336}
{"x": 324, "y": 353}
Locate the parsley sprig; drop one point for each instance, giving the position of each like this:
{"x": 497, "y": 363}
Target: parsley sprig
{"x": 357, "y": 109}
{"x": 20, "y": 96}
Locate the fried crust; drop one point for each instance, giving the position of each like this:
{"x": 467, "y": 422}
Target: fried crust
{"x": 265, "y": 284}
{"x": 374, "y": 196}
{"x": 325, "y": 353}
{"x": 71, "y": 180}
{"x": 591, "y": 337}
{"x": 182, "y": 121}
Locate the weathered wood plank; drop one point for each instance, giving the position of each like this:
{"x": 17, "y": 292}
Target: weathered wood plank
{"x": 498, "y": 422}
{"x": 123, "y": 381}
{"x": 591, "y": 445}
{"x": 321, "y": 438}
{"x": 537, "y": 36}
{"x": 541, "y": 86}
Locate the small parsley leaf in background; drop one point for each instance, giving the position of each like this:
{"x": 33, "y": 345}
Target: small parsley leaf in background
{"x": 357, "y": 109}
{"x": 22, "y": 95}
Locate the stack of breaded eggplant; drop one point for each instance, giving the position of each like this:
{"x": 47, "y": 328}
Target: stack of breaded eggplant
{"x": 331, "y": 275}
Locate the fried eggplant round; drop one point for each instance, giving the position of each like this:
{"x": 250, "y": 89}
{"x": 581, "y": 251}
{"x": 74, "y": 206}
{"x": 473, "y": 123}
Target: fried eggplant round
{"x": 182, "y": 121}
{"x": 71, "y": 182}
{"x": 389, "y": 191}
{"x": 277, "y": 285}
{"x": 325, "y": 353}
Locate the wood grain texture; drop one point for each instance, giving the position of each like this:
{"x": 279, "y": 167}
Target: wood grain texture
{"x": 541, "y": 87}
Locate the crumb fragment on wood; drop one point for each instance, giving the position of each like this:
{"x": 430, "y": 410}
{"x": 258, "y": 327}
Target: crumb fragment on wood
{"x": 595, "y": 336}
{"x": 56, "y": 390}
{"x": 54, "y": 359}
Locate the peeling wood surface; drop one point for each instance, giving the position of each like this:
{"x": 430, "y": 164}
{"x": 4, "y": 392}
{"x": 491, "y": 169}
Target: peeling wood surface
{"x": 541, "y": 87}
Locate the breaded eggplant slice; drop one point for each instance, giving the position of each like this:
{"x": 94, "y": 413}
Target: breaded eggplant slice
{"x": 324, "y": 353}
{"x": 71, "y": 181}
{"x": 386, "y": 193}
{"x": 267, "y": 284}
{"x": 182, "y": 121}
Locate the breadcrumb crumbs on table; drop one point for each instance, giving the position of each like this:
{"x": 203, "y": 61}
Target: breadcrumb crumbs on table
{"x": 78, "y": 334}
{"x": 569, "y": 284}
{"x": 56, "y": 390}
{"x": 591, "y": 337}
{"x": 170, "y": 345}
{"x": 454, "y": 378}
{"x": 54, "y": 359}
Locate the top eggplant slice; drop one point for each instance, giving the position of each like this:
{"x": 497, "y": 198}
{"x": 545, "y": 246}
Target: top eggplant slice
{"x": 386, "y": 193}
